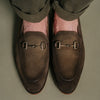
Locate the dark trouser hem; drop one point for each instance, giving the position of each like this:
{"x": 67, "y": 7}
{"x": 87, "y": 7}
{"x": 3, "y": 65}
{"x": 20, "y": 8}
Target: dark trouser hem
{"x": 36, "y": 17}
{"x": 66, "y": 14}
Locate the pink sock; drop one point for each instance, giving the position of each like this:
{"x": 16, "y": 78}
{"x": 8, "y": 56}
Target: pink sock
{"x": 63, "y": 25}
{"x": 39, "y": 26}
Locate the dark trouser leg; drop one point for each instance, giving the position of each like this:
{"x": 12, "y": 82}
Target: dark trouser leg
{"x": 70, "y": 9}
{"x": 31, "y": 10}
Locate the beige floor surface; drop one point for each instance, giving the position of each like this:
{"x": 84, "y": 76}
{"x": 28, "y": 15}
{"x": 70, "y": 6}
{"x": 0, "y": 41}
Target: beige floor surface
{"x": 89, "y": 85}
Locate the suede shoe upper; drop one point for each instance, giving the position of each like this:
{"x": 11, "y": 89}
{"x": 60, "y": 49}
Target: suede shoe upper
{"x": 67, "y": 59}
{"x": 32, "y": 58}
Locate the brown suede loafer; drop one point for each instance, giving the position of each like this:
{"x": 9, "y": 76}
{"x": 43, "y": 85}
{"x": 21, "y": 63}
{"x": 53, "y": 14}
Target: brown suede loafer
{"x": 67, "y": 59}
{"x": 32, "y": 60}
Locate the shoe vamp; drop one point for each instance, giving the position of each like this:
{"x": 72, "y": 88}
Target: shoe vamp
{"x": 67, "y": 63}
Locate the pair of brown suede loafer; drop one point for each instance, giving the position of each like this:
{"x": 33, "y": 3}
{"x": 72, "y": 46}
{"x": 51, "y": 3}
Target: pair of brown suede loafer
{"x": 67, "y": 58}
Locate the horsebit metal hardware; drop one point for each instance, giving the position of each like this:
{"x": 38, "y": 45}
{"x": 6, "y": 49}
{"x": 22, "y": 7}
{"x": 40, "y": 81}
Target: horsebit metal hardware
{"x": 58, "y": 45}
{"x": 25, "y": 45}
